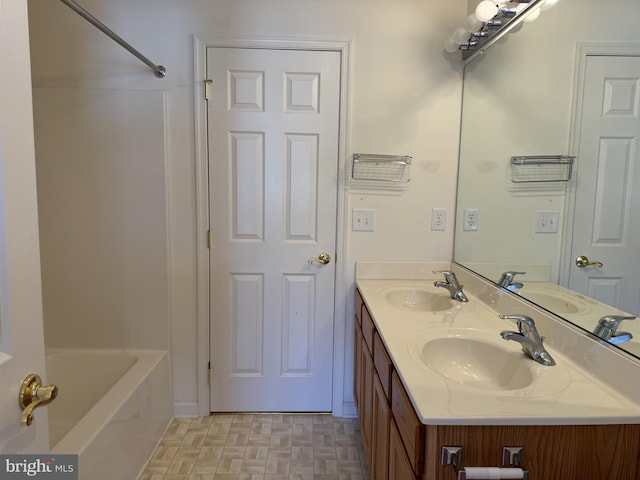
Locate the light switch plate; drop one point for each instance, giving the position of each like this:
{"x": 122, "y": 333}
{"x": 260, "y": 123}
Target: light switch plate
{"x": 547, "y": 221}
{"x": 363, "y": 220}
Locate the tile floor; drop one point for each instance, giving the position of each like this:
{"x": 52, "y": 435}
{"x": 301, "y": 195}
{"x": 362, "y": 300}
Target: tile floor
{"x": 260, "y": 447}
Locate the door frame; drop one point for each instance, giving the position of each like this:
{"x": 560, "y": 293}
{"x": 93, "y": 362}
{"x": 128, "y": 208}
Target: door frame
{"x": 583, "y": 50}
{"x": 200, "y": 46}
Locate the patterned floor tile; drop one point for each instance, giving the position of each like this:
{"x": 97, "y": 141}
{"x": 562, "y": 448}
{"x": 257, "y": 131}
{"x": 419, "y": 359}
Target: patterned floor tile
{"x": 245, "y": 446}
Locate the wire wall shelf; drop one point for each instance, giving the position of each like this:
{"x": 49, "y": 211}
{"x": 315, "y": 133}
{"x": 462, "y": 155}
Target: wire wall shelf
{"x": 380, "y": 171}
{"x": 541, "y": 168}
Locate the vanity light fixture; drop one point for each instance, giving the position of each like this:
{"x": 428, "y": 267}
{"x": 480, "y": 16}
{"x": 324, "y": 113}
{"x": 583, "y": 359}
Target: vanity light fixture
{"x": 492, "y": 20}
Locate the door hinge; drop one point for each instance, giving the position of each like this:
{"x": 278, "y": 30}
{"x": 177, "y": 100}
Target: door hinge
{"x": 207, "y": 90}
{"x": 209, "y": 374}
{"x": 209, "y": 239}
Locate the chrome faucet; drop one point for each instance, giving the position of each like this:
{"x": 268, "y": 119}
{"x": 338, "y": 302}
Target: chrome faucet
{"x": 451, "y": 283}
{"x": 506, "y": 280}
{"x": 527, "y": 335}
{"x": 607, "y": 329}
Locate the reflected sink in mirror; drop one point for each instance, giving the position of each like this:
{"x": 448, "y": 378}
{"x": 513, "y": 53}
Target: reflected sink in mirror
{"x": 419, "y": 299}
{"x": 632, "y": 347}
{"x": 477, "y": 363}
{"x": 555, "y": 301}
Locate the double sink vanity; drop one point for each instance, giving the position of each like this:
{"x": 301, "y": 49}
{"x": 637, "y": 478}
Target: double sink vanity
{"x": 434, "y": 375}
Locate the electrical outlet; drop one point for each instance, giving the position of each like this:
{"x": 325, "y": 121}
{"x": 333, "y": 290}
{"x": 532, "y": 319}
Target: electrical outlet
{"x": 439, "y": 219}
{"x": 471, "y": 217}
{"x": 363, "y": 220}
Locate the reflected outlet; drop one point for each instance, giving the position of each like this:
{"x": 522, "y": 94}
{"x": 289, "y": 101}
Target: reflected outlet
{"x": 470, "y": 219}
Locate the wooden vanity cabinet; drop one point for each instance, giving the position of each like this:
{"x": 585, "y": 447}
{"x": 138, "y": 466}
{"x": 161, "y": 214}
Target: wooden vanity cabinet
{"x": 399, "y": 465}
{"x": 399, "y": 447}
{"x": 381, "y": 417}
{"x": 381, "y": 439}
{"x": 365, "y": 404}
{"x": 551, "y": 452}
{"x": 357, "y": 348}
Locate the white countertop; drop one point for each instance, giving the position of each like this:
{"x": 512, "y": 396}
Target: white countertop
{"x": 563, "y": 394}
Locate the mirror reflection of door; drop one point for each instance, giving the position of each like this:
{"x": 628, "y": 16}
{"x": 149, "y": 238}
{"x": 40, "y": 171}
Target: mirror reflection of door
{"x": 606, "y": 225}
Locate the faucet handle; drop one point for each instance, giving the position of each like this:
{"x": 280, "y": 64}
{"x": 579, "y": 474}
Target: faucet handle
{"x": 510, "y": 274}
{"x": 449, "y": 276}
{"x": 443, "y": 272}
{"x": 612, "y": 321}
{"x": 507, "y": 277}
{"x": 522, "y": 320}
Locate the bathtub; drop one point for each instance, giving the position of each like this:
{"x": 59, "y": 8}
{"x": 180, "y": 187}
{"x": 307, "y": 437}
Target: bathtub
{"x": 113, "y": 407}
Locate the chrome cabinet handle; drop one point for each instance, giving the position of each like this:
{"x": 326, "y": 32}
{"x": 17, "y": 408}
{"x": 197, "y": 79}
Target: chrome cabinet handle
{"x": 583, "y": 261}
{"x": 33, "y": 395}
{"x": 323, "y": 258}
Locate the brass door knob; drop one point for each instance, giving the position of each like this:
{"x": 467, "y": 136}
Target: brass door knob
{"x": 323, "y": 258}
{"x": 583, "y": 261}
{"x": 33, "y": 395}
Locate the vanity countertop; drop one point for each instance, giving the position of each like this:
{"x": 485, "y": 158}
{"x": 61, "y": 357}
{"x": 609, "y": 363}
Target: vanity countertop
{"x": 536, "y": 395}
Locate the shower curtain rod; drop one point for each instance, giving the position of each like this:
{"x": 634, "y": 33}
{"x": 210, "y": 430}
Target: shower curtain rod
{"x": 158, "y": 70}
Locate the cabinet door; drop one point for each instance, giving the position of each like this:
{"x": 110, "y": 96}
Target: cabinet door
{"x": 357, "y": 364}
{"x": 366, "y": 401}
{"x": 380, "y": 432}
{"x": 411, "y": 430}
{"x": 399, "y": 466}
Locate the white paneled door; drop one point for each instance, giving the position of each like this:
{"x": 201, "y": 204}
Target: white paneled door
{"x": 607, "y": 221}
{"x": 273, "y": 124}
{"x": 21, "y": 328}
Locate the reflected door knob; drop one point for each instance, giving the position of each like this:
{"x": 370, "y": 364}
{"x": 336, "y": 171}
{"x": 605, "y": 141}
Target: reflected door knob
{"x": 323, "y": 258}
{"x": 583, "y": 261}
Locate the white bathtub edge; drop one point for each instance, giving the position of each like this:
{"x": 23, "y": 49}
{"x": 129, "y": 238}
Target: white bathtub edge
{"x": 119, "y": 434}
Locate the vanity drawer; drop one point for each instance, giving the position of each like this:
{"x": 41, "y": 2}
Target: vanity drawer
{"x": 410, "y": 428}
{"x": 367, "y": 329}
{"x": 383, "y": 364}
{"x": 357, "y": 306}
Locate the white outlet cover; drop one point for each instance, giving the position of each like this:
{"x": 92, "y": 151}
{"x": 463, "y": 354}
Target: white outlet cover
{"x": 439, "y": 219}
{"x": 470, "y": 219}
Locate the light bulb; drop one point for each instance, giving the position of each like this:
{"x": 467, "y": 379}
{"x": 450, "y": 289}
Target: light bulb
{"x": 450, "y": 45}
{"x": 486, "y": 10}
{"x": 460, "y": 35}
{"x": 472, "y": 24}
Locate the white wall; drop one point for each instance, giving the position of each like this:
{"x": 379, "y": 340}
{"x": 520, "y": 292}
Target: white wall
{"x": 103, "y": 218}
{"x": 404, "y": 99}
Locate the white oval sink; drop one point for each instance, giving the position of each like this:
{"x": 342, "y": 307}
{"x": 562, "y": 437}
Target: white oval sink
{"x": 418, "y": 299}
{"x": 477, "y": 363}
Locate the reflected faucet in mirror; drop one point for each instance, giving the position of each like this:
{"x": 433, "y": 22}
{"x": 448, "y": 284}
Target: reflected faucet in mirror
{"x": 506, "y": 280}
{"x": 452, "y": 284}
{"x": 607, "y": 329}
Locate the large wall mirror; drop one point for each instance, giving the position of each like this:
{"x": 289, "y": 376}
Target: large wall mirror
{"x": 565, "y": 85}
